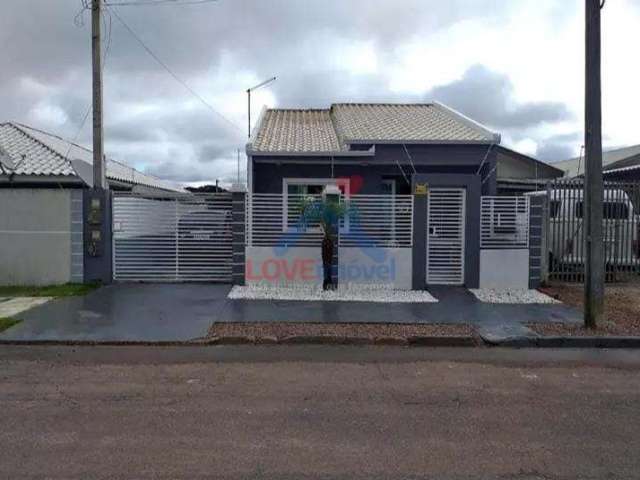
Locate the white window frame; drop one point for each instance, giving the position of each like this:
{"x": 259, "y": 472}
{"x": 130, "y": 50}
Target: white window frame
{"x": 345, "y": 182}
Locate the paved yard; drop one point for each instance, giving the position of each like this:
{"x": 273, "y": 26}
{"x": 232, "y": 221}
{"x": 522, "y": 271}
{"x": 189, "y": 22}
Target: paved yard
{"x": 181, "y": 312}
{"x": 301, "y": 413}
{"x": 125, "y": 312}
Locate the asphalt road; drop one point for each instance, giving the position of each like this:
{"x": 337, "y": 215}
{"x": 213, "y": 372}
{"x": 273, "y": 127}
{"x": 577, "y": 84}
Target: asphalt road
{"x": 331, "y": 413}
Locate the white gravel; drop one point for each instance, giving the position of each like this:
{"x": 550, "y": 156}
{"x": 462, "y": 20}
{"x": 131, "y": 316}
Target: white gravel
{"x": 341, "y": 295}
{"x": 512, "y": 296}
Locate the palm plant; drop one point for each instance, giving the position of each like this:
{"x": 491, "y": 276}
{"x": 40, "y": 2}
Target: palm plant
{"x": 325, "y": 212}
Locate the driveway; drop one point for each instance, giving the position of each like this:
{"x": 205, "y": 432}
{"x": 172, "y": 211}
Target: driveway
{"x": 125, "y": 312}
{"x": 182, "y": 312}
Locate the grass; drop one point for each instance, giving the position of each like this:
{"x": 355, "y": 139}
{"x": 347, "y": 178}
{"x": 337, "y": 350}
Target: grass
{"x": 66, "y": 290}
{"x": 6, "y": 323}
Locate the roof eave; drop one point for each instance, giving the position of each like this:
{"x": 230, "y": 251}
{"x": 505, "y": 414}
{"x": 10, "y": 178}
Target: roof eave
{"x": 357, "y": 153}
{"x": 418, "y": 142}
{"x": 493, "y": 137}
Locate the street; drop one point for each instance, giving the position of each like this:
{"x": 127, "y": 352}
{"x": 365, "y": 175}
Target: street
{"x": 318, "y": 412}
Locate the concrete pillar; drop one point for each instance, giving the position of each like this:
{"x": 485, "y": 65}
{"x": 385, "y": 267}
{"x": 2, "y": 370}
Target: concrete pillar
{"x": 238, "y": 223}
{"x": 536, "y": 240}
{"x": 420, "y": 238}
{"x": 98, "y": 236}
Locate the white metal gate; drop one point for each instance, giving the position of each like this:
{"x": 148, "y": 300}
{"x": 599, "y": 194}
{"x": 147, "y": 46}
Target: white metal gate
{"x": 172, "y": 237}
{"x": 446, "y": 233}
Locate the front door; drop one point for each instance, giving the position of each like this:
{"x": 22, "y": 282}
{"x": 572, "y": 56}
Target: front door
{"x": 445, "y": 242}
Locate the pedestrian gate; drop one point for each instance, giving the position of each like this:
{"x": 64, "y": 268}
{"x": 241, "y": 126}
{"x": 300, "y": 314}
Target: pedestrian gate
{"x": 445, "y": 240}
{"x": 177, "y": 237}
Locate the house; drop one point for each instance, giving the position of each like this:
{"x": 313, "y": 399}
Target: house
{"x": 34, "y": 158}
{"x": 519, "y": 173}
{"x": 43, "y": 185}
{"x": 437, "y": 160}
{"x": 618, "y": 164}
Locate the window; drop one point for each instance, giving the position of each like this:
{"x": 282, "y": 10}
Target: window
{"x": 295, "y": 189}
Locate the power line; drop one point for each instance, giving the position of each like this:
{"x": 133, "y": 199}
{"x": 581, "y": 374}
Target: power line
{"x": 126, "y": 3}
{"x": 174, "y": 75}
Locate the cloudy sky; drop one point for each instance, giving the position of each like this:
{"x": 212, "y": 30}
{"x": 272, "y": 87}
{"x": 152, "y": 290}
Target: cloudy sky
{"x": 515, "y": 65}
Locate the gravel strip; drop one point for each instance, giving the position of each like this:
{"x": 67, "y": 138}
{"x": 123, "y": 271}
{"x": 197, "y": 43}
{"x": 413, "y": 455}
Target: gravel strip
{"x": 621, "y": 311}
{"x": 377, "y": 295}
{"x": 513, "y": 296}
{"x": 367, "y": 331}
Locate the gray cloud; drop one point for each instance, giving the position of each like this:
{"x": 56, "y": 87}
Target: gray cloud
{"x": 559, "y": 147}
{"x": 487, "y": 96}
{"x": 217, "y": 48}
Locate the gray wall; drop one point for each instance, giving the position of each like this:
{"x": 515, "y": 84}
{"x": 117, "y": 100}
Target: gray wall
{"x": 268, "y": 171}
{"x": 40, "y": 236}
{"x": 472, "y": 227}
{"x": 514, "y": 165}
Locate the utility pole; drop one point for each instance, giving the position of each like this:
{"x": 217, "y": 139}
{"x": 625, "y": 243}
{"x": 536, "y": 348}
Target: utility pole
{"x": 98, "y": 140}
{"x": 593, "y": 185}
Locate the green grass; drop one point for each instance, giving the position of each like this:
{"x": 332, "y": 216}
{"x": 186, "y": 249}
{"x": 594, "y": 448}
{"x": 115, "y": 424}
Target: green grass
{"x": 8, "y": 323}
{"x": 67, "y": 290}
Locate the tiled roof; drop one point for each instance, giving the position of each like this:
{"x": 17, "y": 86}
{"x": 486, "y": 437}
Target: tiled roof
{"x": 296, "y": 131}
{"x": 34, "y": 152}
{"x": 404, "y": 123}
{"x": 307, "y": 131}
{"x": 30, "y": 157}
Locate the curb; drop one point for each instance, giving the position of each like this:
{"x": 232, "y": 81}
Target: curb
{"x": 108, "y": 343}
{"x": 417, "y": 341}
{"x": 567, "y": 342}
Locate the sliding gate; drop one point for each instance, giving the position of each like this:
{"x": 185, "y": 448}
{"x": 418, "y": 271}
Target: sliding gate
{"x": 172, "y": 237}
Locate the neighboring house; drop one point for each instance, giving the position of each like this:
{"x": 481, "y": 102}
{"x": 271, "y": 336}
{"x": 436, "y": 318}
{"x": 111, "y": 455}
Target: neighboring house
{"x": 617, "y": 164}
{"x": 43, "y": 181}
{"x": 519, "y": 173}
{"x": 387, "y": 149}
{"x": 33, "y": 158}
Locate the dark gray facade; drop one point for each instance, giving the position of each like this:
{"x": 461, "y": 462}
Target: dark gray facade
{"x": 468, "y": 166}
{"x": 385, "y": 162}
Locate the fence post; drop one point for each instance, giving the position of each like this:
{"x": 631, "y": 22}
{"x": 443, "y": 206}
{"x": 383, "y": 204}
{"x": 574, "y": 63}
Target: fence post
{"x": 536, "y": 240}
{"x": 239, "y": 198}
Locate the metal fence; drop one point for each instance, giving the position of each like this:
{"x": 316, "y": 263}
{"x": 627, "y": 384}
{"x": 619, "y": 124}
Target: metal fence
{"x": 378, "y": 220}
{"x": 172, "y": 237}
{"x": 566, "y": 234}
{"x": 504, "y": 222}
{"x": 371, "y": 220}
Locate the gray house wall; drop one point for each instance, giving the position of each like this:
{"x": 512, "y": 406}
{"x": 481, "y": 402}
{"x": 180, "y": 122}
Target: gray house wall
{"x": 269, "y": 171}
{"x": 472, "y": 184}
{"x": 471, "y": 167}
{"x": 41, "y": 236}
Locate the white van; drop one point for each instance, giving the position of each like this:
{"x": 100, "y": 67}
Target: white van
{"x": 566, "y": 227}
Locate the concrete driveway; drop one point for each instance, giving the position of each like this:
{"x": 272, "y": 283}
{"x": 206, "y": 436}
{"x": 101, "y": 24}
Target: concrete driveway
{"x": 125, "y": 312}
{"x": 182, "y": 312}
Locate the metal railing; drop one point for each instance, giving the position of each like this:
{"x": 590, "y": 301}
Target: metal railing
{"x": 172, "y": 237}
{"x": 566, "y": 234}
{"x": 504, "y": 222}
{"x": 378, "y": 220}
{"x": 371, "y": 220}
